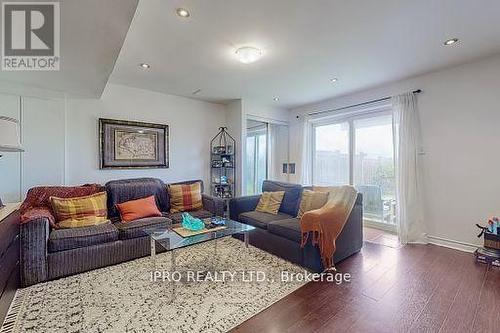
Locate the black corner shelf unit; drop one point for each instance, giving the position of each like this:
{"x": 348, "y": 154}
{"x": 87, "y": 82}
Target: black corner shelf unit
{"x": 222, "y": 165}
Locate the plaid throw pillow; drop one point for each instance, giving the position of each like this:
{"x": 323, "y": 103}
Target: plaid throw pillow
{"x": 185, "y": 197}
{"x": 81, "y": 211}
{"x": 270, "y": 202}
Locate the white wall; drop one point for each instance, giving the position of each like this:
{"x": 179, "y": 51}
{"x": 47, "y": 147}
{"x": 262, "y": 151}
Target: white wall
{"x": 236, "y": 126}
{"x": 60, "y": 137}
{"x": 10, "y": 163}
{"x": 42, "y": 137}
{"x": 192, "y": 124}
{"x": 265, "y": 113}
{"x": 460, "y": 119}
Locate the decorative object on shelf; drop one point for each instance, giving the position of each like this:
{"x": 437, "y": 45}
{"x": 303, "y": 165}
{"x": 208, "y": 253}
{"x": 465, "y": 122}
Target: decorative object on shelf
{"x": 131, "y": 144}
{"x": 9, "y": 138}
{"x": 191, "y": 223}
{"x": 217, "y": 164}
{"x": 222, "y": 161}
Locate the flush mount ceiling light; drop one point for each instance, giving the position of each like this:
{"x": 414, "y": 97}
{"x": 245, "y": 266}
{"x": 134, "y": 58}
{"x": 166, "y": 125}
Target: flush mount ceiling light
{"x": 145, "y": 66}
{"x": 248, "y": 54}
{"x": 333, "y": 80}
{"x": 182, "y": 12}
{"x": 450, "y": 41}
{"x": 276, "y": 99}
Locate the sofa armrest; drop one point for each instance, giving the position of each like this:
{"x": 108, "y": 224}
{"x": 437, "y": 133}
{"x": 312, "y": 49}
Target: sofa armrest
{"x": 34, "y": 237}
{"x": 213, "y": 204}
{"x": 241, "y": 205}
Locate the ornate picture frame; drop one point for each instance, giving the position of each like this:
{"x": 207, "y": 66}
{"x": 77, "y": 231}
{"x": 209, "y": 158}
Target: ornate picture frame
{"x": 132, "y": 144}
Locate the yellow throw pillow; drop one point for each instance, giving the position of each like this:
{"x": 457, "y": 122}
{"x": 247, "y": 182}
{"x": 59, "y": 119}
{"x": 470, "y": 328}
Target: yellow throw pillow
{"x": 270, "y": 202}
{"x": 185, "y": 197}
{"x": 81, "y": 211}
{"x": 312, "y": 200}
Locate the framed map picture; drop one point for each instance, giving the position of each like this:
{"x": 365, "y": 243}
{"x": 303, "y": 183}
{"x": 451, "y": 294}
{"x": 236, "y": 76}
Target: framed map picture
{"x": 130, "y": 144}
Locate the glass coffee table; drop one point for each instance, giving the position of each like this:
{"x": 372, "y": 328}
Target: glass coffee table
{"x": 170, "y": 240}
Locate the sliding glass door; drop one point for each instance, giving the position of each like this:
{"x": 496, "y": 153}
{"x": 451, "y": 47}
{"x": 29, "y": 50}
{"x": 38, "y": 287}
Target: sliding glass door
{"x": 256, "y": 159}
{"x": 374, "y": 167}
{"x": 359, "y": 151}
{"x": 331, "y": 154}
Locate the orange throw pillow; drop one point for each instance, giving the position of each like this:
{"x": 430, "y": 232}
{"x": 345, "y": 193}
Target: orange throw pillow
{"x": 138, "y": 209}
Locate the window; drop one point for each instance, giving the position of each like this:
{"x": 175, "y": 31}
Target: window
{"x": 359, "y": 150}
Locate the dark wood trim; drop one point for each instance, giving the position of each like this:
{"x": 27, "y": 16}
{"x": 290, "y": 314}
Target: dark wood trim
{"x": 9, "y": 261}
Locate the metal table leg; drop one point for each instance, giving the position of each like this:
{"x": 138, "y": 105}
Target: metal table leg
{"x": 246, "y": 237}
{"x": 153, "y": 253}
{"x": 172, "y": 270}
{"x": 153, "y": 247}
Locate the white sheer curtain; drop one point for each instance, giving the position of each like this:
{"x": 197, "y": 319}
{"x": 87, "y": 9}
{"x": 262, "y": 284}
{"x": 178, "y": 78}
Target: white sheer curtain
{"x": 278, "y": 141}
{"x": 272, "y": 146}
{"x": 305, "y": 167}
{"x": 407, "y": 144}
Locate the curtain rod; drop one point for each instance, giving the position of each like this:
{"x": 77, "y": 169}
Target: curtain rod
{"x": 418, "y": 91}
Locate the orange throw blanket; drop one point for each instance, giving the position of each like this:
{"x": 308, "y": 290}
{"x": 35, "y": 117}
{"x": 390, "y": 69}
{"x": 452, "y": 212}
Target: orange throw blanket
{"x": 326, "y": 223}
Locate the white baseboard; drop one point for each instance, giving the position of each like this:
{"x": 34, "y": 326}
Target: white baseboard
{"x": 452, "y": 244}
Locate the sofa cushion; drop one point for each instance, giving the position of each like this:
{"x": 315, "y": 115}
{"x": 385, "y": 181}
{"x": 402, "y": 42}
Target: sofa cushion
{"x": 123, "y": 190}
{"x": 289, "y": 229}
{"x": 261, "y": 220}
{"x": 270, "y": 202}
{"x": 185, "y": 197}
{"x": 137, "y": 209}
{"x": 80, "y": 212}
{"x": 201, "y": 214}
{"x": 293, "y": 192}
{"x": 134, "y": 229}
{"x": 312, "y": 200}
{"x": 67, "y": 239}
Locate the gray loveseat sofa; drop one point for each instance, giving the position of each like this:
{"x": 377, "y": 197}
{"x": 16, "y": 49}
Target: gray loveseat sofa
{"x": 280, "y": 234}
{"x": 48, "y": 253}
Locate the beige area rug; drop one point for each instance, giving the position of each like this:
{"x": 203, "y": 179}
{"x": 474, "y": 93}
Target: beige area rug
{"x": 124, "y": 298}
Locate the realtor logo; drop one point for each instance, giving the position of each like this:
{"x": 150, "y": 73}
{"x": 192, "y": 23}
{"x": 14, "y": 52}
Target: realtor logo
{"x": 30, "y": 39}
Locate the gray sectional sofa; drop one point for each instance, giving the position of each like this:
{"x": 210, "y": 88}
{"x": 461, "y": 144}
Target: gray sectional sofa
{"x": 48, "y": 253}
{"x": 280, "y": 234}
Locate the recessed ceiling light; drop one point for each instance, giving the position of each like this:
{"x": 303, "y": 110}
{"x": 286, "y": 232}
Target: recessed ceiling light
{"x": 333, "y": 80}
{"x": 144, "y": 65}
{"x": 276, "y": 99}
{"x": 450, "y": 41}
{"x": 248, "y": 54}
{"x": 182, "y": 12}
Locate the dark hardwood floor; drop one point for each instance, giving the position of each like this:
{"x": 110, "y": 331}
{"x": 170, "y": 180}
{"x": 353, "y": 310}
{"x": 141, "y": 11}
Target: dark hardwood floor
{"x": 415, "y": 288}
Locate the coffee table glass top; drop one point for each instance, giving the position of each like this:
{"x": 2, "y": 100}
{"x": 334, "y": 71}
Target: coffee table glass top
{"x": 170, "y": 240}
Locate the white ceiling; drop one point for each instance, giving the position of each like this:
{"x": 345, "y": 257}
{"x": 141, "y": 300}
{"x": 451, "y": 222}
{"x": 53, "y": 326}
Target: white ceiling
{"x": 305, "y": 43}
{"x": 92, "y": 33}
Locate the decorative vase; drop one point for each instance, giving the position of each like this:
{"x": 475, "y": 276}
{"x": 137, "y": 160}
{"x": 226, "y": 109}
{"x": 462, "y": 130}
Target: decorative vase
{"x": 191, "y": 223}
